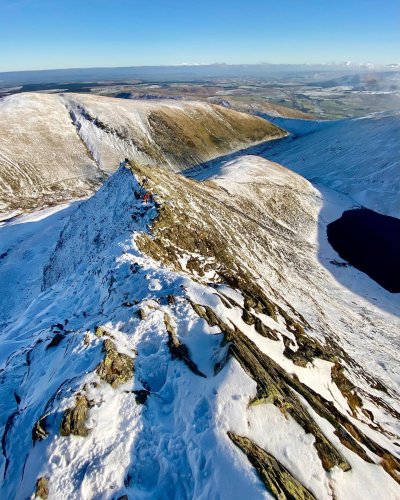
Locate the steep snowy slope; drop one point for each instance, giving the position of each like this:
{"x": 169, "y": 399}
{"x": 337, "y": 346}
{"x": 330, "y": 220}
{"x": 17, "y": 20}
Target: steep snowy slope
{"x": 359, "y": 157}
{"x": 42, "y": 158}
{"x": 196, "y": 348}
{"x": 173, "y": 134}
{"x": 55, "y": 147}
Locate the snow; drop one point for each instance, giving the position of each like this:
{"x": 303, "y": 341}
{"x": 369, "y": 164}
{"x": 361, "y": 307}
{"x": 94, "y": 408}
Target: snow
{"x": 52, "y": 154}
{"x": 79, "y": 266}
{"x": 289, "y": 442}
{"x": 27, "y": 239}
{"x": 358, "y": 157}
{"x": 73, "y": 141}
{"x": 364, "y": 480}
{"x": 359, "y": 310}
{"x": 177, "y": 443}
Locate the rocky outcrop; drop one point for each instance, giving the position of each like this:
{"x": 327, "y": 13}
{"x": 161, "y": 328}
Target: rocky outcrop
{"x": 39, "y": 431}
{"x": 274, "y": 386}
{"x": 56, "y": 340}
{"x": 180, "y": 235}
{"x": 278, "y": 480}
{"x": 42, "y": 488}
{"x": 74, "y": 419}
{"x": 116, "y": 368}
{"x": 249, "y": 304}
{"x": 177, "y": 349}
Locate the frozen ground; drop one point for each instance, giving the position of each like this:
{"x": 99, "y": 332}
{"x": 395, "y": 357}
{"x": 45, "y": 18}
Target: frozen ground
{"x": 175, "y": 445}
{"x": 245, "y": 252}
{"x": 25, "y": 244}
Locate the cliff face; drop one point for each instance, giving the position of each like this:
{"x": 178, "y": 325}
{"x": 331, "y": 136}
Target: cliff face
{"x": 195, "y": 346}
{"x": 58, "y": 147}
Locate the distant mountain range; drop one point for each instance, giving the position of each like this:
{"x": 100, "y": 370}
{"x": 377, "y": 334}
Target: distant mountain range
{"x": 185, "y": 72}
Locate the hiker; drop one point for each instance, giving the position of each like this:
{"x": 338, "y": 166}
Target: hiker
{"x": 146, "y": 197}
{"x": 145, "y": 181}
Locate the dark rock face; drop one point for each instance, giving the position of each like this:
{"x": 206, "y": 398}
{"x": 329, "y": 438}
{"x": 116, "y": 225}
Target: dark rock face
{"x": 276, "y": 386}
{"x": 74, "y": 419}
{"x": 141, "y": 396}
{"x": 39, "y": 431}
{"x": 370, "y": 242}
{"x": 58, "y": 337}
{"x": 179, "y": 350}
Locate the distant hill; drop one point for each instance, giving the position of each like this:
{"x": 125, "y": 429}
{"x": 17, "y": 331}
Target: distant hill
{"x": 56, "y": 147}
{"x": 184, "y": 72}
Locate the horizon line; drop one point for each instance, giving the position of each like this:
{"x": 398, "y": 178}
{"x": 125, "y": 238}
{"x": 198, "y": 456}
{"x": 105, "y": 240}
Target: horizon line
{"x": 348, "y": 64}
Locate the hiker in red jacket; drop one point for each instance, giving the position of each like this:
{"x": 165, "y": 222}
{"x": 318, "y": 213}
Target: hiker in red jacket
{"x": 146, "y": 197}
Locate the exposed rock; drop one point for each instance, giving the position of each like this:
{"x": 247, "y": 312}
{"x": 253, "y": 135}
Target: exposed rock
{"x": 100, "y": 331}
{"x": 42, "y": 488}
{"x": 55, "y": 341}
{"x": 227, "y": 301}
{"x": 265, "y": 330}
{"x": 39, "y": 430}
{"x": 57, "y": 326}
{"x": 248, "y": 318}
{"x": 74, "y": 419}
{"x": 292, "y": 325}
{"x": 171, "y": 299}
{"x": 116, "y": 368}
{"x": 176, "y": 234}
{"x": 17, "y": 398}
{"x": 141, "y": 396}
{"x": 177, "y": 349}
{"x": 272, "y": 386}
{"x": 346, "y": 387}
{"x": 141, "y": 313}
{"x": 259, "y": 303}
{"x": 308, "y": 350}
{"x": 278, "y": 480}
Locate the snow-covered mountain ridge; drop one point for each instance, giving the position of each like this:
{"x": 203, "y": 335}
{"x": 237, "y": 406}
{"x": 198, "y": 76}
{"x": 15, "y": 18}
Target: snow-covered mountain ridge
{"x": 358, "y": 157}
{"x": 58, "y": 147}
{"x": 197, "y": 348}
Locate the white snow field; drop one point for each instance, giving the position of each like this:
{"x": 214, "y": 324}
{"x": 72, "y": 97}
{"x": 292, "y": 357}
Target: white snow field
{"x": 152, "y": 276}
{"x": 359, "y": 157}
{"x": 56, "y": 147}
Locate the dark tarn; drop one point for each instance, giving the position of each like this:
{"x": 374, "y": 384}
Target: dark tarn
{"x": 370, "y": 242}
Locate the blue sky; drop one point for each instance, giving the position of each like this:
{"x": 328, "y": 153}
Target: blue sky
{"x": 45, "y": 34}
